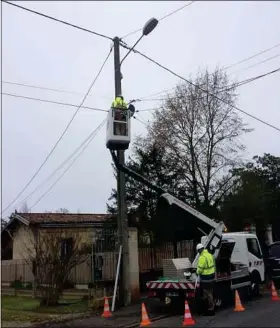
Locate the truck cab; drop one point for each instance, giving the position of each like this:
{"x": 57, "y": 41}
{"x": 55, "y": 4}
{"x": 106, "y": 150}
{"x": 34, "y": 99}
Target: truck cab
{"x": 247, "y": 250}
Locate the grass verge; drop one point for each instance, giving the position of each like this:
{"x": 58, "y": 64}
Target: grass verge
{"x": 25, "y": 309}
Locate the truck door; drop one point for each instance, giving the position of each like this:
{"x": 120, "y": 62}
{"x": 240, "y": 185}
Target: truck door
{"x": 255, "y": 257}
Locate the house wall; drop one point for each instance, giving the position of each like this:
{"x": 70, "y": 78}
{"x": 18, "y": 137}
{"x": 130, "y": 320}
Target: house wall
{"x": 23, "y": 242}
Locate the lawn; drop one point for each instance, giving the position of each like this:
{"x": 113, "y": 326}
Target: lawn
{"x": 25, "y": 309}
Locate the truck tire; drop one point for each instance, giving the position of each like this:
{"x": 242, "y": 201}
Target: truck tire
{"x": 255, "y": 284}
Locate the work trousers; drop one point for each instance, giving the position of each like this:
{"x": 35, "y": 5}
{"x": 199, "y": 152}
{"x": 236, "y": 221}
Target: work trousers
{"x": 207, "y": 289}
{"x": 120, "y": 129}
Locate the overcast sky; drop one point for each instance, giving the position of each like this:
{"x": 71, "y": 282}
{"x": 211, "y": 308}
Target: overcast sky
{"x": 38, "y": 51}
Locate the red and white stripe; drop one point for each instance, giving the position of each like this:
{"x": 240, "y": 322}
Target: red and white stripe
{"x": 170, "y": 285}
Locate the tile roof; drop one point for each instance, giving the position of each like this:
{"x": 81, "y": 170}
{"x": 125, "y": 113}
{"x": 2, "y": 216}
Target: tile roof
{"x": 34, "y": 218}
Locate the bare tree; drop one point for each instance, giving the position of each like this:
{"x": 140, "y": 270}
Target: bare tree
{"x": 62, "y": 210}
{"x": 203, "y": 134}
{"x": 52, "y": 255}
{"x": 25, "y": 208}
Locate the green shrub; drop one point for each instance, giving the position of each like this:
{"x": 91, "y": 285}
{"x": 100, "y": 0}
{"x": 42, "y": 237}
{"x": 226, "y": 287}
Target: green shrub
{"x": 16, "y": 284}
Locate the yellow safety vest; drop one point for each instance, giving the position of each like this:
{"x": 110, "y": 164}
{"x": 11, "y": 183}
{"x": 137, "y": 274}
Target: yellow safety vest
{"x": 119, "y": 103}
{"x": 206, "y": 265}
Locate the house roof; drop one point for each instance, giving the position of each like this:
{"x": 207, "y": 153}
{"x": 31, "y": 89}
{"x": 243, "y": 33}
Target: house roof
{"x": 57, "y": 219}
{"x": 35, "y": 218}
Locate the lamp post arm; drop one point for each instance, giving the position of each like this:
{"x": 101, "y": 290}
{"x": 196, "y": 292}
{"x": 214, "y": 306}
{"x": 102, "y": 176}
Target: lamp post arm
{"x": 135, "y": 44}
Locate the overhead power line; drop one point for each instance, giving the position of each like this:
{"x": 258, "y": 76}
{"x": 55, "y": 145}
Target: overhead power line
{"x": 252, "y": 56}
{"x": 45, "y": 88}
{"x": 39, "y": 87}
{"x": 95, "y": 132}
{"x": 63, "y": 133}
{"x": 59, "y": 20}
{"x": 53, "y": 102}
{"x": 88, "y": 139}
{"x": 175, "y": 11}
{"x": 162, "y": 18}
{"x": 258, "y": 63}
{"x": 222, "y": 69}
{"x": 197, "y": 86}
{"x": 233, "y": 86}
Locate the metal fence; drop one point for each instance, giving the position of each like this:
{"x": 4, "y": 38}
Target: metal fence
{"x": 99, "y": 265}
{"x": 150, "y": 258}
{"x": 16, "y": 270}
{"x": 101, "y": 262}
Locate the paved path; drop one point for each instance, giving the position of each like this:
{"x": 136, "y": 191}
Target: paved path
{"x": 259, "y": 313}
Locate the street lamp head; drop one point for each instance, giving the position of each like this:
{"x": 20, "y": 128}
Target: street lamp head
{"x": 149, "y": 26}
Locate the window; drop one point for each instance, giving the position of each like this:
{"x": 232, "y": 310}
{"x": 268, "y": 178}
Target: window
{"x": 66, "y": 247}
{"x": 253, "y": 247}
{"x": 274, "y": 251}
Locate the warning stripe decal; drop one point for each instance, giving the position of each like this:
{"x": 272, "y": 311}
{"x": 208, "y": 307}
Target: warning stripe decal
{"x": 171, "y": 285}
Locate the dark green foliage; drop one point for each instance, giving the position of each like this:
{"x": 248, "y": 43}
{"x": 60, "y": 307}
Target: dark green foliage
{"x": 256, "y": 195}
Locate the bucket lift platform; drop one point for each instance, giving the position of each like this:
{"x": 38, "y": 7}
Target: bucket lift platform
{"x": 118, "y": 129}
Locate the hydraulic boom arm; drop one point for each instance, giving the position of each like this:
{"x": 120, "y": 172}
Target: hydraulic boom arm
{"x": 214, "y": 228}
{"x": 135, "y": 175}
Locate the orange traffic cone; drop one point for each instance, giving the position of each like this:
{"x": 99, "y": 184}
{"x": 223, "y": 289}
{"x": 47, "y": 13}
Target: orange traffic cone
{"x": 274, "y": 295}
{"x": 145, "y": 319}
{"x": 106, "y": 312}
{"x": 238, "y": 305}
{"x": 188, "y": 320}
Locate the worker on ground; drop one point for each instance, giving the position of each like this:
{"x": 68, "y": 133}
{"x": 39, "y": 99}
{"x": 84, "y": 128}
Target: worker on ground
{"x": 120, "y": 107}
{"x": 206, "y": 273}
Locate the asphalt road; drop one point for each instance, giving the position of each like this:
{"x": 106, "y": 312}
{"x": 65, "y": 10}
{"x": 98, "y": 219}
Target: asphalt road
{"x": 259, "y": 313}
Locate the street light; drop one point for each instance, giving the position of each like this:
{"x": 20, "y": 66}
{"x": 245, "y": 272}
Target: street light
{"x": 122, "y": 211}
{"x": 147, "y": 29}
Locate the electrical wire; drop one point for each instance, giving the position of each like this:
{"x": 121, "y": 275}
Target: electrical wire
{"x": 227, "y": 67}
{"x": 175, "y": 11}
{"x": 252, "y": 56}
{"x": 58, "y": 20}
{"x": 71, "y": 164}
{"x": 237, "y": 85}
{"x": 162, "y": 18}
{"x": 88, "y": 139}
{"x": 233, "y": 86}
{"x": 47, "y": 89}
{"x": 263, "y": 61}
{"x": 53, "y": 102}
{"x": 140, "y": 117}
{"x": 137, "y": 119}
{"x": 63, "y": 133}
{"x": 198, "y": 87}
{"x": 41, "y": 88}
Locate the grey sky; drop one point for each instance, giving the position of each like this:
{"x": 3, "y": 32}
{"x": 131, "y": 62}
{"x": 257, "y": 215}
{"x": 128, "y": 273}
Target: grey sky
{"x": 40, "y": 52}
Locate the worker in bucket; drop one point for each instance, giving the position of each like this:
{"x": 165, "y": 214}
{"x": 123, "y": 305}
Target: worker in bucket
{"x": 206, "y": 275}
{"x": 120, "y": 107}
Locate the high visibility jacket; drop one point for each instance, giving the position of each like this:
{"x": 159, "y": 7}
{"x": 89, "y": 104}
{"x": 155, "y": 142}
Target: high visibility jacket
{"x": 206, "y": 264}
{"x": 119, "y": 103}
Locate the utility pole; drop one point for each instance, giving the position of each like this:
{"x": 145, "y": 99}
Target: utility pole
{"x": 124, "y": 289}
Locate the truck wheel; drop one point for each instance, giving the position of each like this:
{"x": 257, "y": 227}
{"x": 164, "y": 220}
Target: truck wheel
{"x": 255, "y": 284}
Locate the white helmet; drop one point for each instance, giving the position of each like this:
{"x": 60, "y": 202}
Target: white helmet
{"x": 199, "y": 247}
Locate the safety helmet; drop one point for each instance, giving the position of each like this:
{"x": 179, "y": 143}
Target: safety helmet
{"x": 120, "y": 96}
{"x": 199, "y": 247}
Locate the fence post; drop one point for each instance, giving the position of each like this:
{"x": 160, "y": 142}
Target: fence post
{"x": 15, "y": 278}
{"x": 34, "y": 286}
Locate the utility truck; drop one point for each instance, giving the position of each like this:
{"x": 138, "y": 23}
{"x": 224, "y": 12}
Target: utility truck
{"x": 238, "y": 256}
